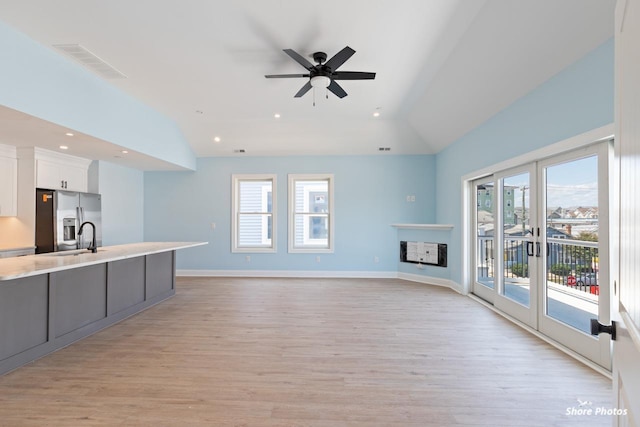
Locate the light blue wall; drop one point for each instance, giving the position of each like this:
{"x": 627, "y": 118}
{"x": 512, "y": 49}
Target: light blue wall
{"x": 122, "y": 192}
{"x": 37, "y": 81}
{"x": 370, "y": 194}
{"x": 578, "y": 99}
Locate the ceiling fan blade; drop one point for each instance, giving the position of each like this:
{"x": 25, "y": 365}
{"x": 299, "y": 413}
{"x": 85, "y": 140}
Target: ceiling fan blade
{"x": 353, "y": 75}
{"x": 298, "y": 58}
{"x": 304, "y": 90}
{"x": 285, "y": 76}
{"x": 339, "y": 58}
{"x": 337, "y": 89}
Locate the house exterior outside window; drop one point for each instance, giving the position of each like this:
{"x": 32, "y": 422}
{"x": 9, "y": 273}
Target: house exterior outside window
{"x": 253, "y": 213}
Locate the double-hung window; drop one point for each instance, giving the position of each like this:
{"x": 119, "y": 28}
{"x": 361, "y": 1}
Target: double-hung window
{"x": 311, "y": 215}
{"x": 253, "y": 214}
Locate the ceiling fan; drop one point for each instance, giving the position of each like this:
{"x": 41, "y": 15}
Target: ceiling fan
{"x": 324, "y": 74}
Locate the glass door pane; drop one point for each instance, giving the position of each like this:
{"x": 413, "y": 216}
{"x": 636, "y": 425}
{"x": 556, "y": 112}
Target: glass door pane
{"x": 484, "y": 225}
{"x": 517, "y": 242}
{"x": 572, "y": 267}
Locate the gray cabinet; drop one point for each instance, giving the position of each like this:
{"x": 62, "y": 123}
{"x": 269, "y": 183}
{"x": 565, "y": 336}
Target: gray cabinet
{"x": 80, "y": 297}
{"x": 23, "y": 314}
{"x": 40, "y": 314}
{"x": 125, "y": 284}
{"x": 160, "y": 280}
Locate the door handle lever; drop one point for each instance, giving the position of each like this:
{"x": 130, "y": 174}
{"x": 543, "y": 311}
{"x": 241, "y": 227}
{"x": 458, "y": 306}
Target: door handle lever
{"x": 597, "y": 328}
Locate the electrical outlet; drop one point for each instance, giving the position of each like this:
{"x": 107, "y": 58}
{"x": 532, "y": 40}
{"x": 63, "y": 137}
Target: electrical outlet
{"x": 408, "y": 198}
{"x": 413, "y": 198}
{"x": 213, "y": 225}
{"x": 248, "y": 258}
{"x": 317, "y": 259}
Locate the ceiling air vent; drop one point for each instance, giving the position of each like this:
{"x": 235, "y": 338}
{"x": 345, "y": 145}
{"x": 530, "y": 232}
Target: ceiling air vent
{"x": 384, "y": 148}
{"x": 239, "y": 150}
{"x": 90, "y": 60}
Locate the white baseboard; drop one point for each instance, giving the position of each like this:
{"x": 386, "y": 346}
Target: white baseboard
{"x": 428, "y": 280}
{"x": 323, "y": 274}
{"x": 289, "y": 273}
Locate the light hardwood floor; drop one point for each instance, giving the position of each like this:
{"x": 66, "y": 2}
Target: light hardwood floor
{"x": 306, "y": 352}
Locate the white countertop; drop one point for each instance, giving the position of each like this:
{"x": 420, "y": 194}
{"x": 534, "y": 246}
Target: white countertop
{"x": 15, "y": 248}
{"x": 424, "y": 226}
{"x": 31, "y": 265}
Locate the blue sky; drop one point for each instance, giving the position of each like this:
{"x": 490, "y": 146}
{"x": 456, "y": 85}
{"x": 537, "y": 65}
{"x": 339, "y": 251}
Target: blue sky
{"x": 573, "y": 184}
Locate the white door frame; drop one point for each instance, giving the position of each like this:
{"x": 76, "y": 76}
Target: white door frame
{"x": 625, "y": 308}
{"x": 555, "y": 329}
{"x": 526, "y": 315}
{"x": 479, "y": 289}
{"x": 584, "y": 139}
{"x": 468, "y": 238}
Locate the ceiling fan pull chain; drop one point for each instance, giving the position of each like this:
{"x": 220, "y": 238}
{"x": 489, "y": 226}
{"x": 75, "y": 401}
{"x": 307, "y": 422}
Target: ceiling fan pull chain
{"x": 326, "y": 93}
{"x": 314, "y": 96}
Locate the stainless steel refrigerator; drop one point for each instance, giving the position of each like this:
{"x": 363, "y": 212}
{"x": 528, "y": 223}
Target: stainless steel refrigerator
{"x": 59, "y": 215}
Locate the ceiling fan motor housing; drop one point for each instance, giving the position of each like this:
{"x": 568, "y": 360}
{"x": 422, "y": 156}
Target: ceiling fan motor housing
{"x": 320, "y": 70}
{"x": 320, "y": 57}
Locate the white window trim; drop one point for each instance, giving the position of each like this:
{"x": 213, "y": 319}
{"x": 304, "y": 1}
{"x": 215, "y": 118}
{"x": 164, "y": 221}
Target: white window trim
{"x": 235, "y": 179}
{"x": 291, "y": 208}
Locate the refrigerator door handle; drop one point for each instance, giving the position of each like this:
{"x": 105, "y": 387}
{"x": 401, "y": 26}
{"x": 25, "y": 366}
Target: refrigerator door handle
{"x": 78, "y": 237}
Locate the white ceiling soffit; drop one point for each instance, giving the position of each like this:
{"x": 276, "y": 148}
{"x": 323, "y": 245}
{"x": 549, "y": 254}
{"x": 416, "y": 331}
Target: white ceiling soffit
{"x": 443, "y": 66}
{"x": 23, "y": 130}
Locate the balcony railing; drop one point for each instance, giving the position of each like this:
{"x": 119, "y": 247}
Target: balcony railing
{"x": 574, "y": 263}
{"x": 570, "y": 263}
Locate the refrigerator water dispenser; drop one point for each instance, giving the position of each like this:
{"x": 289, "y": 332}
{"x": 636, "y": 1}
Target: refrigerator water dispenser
{"x": 69, "y": 228}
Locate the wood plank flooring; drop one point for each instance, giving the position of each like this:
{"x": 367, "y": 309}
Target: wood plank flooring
{"x": 306, "y": 352}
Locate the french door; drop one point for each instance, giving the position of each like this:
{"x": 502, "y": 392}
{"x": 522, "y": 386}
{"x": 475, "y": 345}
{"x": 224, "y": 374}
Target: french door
{"x": 541, "y": 246}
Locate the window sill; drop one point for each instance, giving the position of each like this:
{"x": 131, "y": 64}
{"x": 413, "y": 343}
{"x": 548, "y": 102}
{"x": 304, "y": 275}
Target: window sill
{"x": 310, "y": 251}
{"x": 253, "y": 250}
{"x": 424, "y": 226}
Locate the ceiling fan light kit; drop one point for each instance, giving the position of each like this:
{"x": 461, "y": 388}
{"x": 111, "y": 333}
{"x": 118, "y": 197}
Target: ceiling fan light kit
{"x": 324, "y": 74}
{"x": 320, "y": 81}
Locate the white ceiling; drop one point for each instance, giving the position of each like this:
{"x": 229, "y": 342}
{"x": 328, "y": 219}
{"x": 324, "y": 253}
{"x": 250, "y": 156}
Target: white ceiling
{"x": 443, "y": 66}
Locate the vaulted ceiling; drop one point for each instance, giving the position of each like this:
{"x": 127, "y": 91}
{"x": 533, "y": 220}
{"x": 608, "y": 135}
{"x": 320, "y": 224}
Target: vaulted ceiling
{"x": 443, "y": 66}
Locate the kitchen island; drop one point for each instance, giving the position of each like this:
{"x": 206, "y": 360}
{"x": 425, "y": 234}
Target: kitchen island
{"x": 48, "y": 301}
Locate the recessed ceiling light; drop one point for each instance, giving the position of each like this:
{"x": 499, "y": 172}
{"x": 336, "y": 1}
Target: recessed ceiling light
{"x": 276, "y": 115}
{"x": 64, "y": 147}
{"x": 376, "y": 114}
{"x": 124, "y": 152}
{"x": 216, "y": 139}
{"x": 69, "y": 134}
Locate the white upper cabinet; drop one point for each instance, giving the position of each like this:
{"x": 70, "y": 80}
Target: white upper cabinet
{"x": 61, "y": 172}
{"x": 8, "y": 181}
